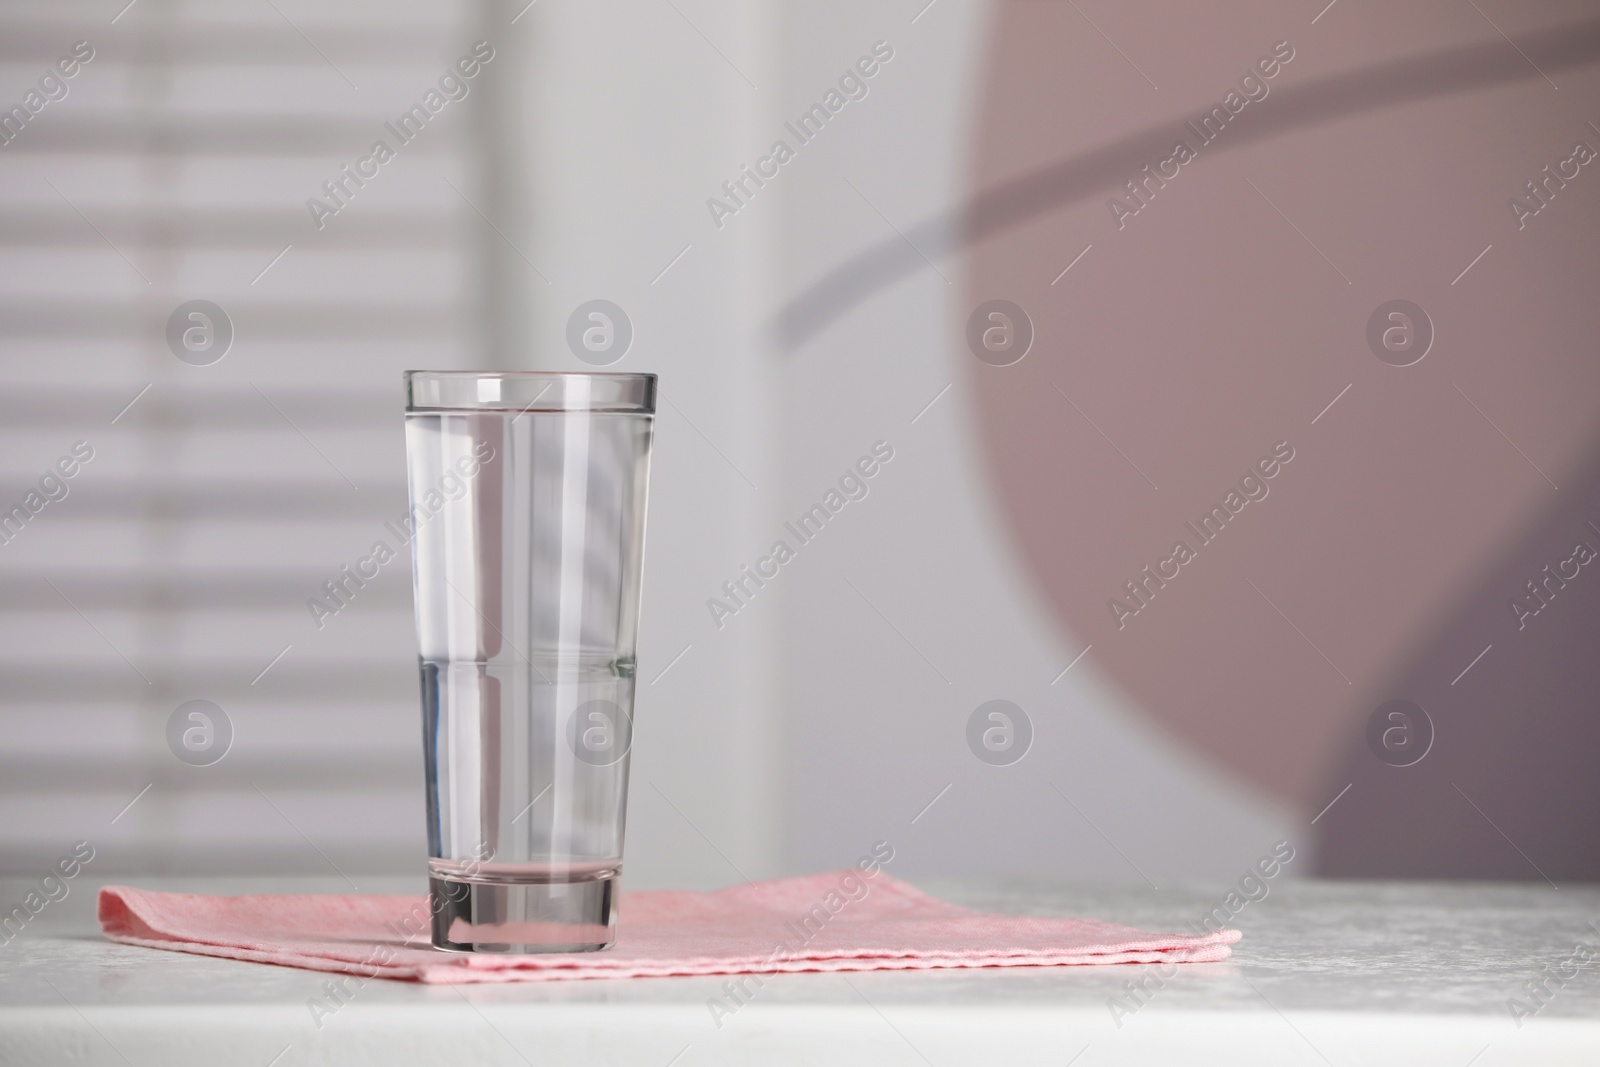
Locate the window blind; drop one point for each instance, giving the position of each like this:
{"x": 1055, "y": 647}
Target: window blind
{"x": 175, "y": 564}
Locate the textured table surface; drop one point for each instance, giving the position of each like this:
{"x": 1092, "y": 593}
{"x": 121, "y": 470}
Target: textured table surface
{"x": 1327, "y": 973}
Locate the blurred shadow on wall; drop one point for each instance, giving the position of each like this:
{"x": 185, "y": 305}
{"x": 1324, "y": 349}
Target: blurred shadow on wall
{"x": 1507, "y": 789}
{"x": 1077, "y": 177}
{"x": 1508, "y": 778}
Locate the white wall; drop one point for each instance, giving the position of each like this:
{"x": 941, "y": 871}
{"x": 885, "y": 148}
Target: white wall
{"x": 873, "y": 733}
{"x": 620, "y": 121}
{"x": 806, "y": 727}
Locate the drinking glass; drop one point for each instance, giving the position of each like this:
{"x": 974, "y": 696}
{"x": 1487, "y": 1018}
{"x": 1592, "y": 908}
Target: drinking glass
{"x": 527, "y": 532}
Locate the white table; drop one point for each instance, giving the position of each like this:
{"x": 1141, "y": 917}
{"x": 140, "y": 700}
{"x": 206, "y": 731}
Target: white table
{"x": 1328, "y": 973}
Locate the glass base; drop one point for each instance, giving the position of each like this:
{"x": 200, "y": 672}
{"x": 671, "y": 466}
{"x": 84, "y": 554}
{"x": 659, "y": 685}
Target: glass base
{"x": 519, "y": 918}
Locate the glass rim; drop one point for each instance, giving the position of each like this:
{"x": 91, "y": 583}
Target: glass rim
{"x": 530, "y": 390}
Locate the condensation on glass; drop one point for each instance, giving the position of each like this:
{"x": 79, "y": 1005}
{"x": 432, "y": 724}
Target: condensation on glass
{"x": 527, "y": 530}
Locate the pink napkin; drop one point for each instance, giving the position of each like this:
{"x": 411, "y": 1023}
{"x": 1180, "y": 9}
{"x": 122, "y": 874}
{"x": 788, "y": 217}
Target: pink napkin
{"x": 791, "y": 924}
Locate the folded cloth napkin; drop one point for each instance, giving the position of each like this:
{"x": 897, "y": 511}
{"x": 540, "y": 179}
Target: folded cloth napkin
{"x": 841, "y": 921}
